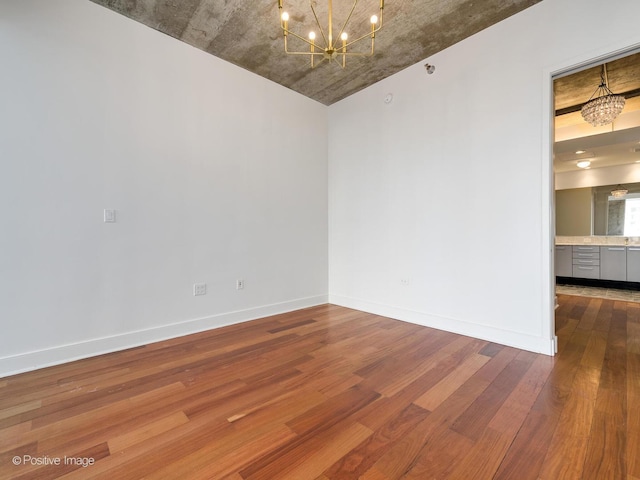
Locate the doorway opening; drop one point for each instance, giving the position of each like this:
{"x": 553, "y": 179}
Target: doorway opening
{"x": 588, "y": 162}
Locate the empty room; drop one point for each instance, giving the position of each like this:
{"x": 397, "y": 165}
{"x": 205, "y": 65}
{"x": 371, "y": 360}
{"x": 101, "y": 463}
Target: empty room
{"x": 315, "y": 240}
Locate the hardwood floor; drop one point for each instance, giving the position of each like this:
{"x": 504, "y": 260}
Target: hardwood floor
{"x": 332, "y": 393}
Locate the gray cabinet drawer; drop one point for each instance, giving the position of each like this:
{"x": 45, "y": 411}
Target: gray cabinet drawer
{"x": 586, "y": 271}
{"x": 586, "y": 261}
{"x": 586, "y": 248}
{"x": 586, "y": 254}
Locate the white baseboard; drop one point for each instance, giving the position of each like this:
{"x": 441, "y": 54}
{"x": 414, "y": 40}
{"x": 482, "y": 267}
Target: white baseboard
{"x": 24, "y": 362}
{"x": 483, "y": 332}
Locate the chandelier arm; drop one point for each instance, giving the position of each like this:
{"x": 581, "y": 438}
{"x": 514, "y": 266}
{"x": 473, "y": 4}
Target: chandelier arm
{"x": 358, "y": 39}
{"x": 344, "y": 25}
{"x": 367, "y": 34}
{"x": 335, "y": 59}
{"x": 321, "y": 60}
{"x": 311, "y": 54}
{"x": 289, "y": 32}
{"x": 353, "y": 54}
{"x": 315, "y": 15}
{"x": 337, "y": 54}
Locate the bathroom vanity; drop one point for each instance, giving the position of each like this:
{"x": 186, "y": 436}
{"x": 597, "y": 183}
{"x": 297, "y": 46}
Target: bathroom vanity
{"x": 614, "y": 259}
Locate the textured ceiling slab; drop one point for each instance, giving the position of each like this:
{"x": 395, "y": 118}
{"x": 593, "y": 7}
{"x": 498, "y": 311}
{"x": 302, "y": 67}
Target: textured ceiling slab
{"x": 248, "y": 34}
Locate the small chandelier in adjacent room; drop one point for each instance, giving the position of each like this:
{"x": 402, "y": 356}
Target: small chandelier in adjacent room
{"x": 330, "y": 48}
{"x": 603, "y": 106}
{"x": 619, "y": 192}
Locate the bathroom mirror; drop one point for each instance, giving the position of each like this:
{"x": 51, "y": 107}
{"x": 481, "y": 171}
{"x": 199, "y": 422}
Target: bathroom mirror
{"x": 594, "y": 211}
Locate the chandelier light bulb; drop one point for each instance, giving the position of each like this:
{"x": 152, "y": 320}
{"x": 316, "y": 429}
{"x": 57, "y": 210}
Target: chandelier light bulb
{"x": 312, "y": 35}
{"x": 344, "y": 36}
{"x": 285, "y": 17}
{"x": 374, "y": 19}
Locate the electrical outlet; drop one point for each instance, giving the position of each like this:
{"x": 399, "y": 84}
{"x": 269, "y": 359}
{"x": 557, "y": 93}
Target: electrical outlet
{"x": 239, "y": 284}
{"x": 109, "y": 216}
{"x": 199, "y": 289}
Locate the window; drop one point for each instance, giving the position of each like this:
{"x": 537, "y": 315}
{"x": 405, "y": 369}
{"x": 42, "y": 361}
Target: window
{"x": 632, "y": 216}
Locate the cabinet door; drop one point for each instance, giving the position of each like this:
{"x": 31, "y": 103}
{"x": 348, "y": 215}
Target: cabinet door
{"x": 613, "y": 263}
{"x": 633, "y": 264}
{"x": 563, "y": 265}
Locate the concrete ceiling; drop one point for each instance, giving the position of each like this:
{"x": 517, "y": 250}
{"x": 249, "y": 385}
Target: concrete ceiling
{"x": 248, "y": 34}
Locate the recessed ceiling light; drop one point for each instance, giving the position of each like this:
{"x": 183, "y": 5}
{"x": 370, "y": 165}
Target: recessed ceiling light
{"x": 583, "y": 164}
{"x": 579, "y": 152}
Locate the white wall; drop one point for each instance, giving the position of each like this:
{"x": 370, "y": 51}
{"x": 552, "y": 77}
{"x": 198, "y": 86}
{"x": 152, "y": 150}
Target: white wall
{"x": 440, "y": 202}
{"x": 100, "y": 112}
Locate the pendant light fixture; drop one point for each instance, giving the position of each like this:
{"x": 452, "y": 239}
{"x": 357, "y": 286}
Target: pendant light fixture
{"x": 619, "y": 192}
{"x": 603, "y": 106}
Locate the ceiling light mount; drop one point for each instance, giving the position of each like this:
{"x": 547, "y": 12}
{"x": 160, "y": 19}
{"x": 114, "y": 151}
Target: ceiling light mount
{"x": 584, "y": 164}
{"x": 330, "y": 49}
{"x": 604, "y": 105}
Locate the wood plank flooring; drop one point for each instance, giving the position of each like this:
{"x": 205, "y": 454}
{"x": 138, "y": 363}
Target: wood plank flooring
{"x": 331, "y": 393}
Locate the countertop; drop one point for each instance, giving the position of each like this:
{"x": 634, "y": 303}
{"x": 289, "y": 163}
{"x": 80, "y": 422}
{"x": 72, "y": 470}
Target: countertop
{"x": 598, "y": 240}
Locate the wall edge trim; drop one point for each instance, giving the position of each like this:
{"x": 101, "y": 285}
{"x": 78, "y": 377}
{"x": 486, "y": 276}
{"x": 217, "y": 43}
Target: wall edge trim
{"x": 509, "y": 338}
{"x": 56, "y": 355}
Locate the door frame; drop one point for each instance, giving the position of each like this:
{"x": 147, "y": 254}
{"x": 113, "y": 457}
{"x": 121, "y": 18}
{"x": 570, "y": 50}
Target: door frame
{"x": 549, "y": 75}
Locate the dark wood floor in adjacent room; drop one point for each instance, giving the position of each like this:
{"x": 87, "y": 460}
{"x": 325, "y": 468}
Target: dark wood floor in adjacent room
{"x": 332, "y": 393}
